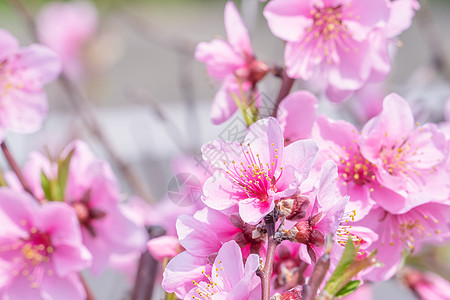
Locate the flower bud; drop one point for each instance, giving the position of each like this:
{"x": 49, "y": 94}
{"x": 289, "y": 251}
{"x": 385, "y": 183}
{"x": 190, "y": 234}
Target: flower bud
{"x": 300, "y": 233}
{"x": 292, "y": 294}
{"x": 293, "y": 208}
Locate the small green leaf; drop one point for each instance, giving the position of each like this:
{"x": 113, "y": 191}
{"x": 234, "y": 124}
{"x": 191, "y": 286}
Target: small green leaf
{"x": 63, "y": 173}
{"x": 348, "y": 288}
{"x": 348, "y": 257}
{"x": 45, "y": 183}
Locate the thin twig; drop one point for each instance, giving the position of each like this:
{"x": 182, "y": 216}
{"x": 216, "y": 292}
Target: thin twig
{"x": 154, "y": 34}
{"x": 89, "y": 294}
{"x": 272, "y": 244}
{"x": 286, "y": 86}
{"x": 81, "y": 106}
{"x": 16, "y": 169}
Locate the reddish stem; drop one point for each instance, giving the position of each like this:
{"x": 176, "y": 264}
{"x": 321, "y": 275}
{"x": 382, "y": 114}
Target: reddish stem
{"x": 89, "y": 294}
{"x": 15, "y": 167}
{"x": 286, "y": 86}
{"x": 272, "y": 244}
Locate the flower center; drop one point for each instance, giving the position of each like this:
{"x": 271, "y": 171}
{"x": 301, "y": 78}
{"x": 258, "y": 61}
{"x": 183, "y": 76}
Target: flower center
{"x": 30, "y": 255}
{"x": 395, "y": 159}
{"x": 252, "y": 176}
{"x": 355, "y": 168}
{"x": 328, "y": 21}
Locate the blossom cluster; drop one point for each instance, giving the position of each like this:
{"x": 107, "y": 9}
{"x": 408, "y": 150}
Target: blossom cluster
{"x": 302, "y": 206}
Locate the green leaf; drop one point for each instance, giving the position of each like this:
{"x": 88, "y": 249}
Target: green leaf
{"x": 348, "y": 257}
{"x": 63, "y": 173}
{"x": 348, "y": 288}
{"x": 45, "y": 183}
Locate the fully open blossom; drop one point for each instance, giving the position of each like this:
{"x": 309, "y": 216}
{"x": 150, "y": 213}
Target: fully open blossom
{"x": 93, "y": 192}
{"x": 201, "y": 235}
{"x": 41, "y": 249}
{"x": 229, "y": 279}
{"x": 257, "y": 173}
{"x": 24, "y": 72}
{"x": 233, "y": 64}
{"x": 404, "y": 232}
{"x": 58, "y": 26}
{"x": 408, "y": 160}
{"x": 341, "y": 39}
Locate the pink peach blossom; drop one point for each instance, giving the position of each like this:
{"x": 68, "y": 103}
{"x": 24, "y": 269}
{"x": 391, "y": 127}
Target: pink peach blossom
{"x": 93, "y": 192}
{"x": 67, "y": 27}
{"x": 229, "y": 279}
{"x": 404, "y": 232}
{"x": 24, "y": 72}
{"x": 343, "y": 40}
{"x": 41, "y": 249}
{"x": 255, "y": 174}
{"x": 408, "y": 160}
{"x": 426, "y": 285}
{"x": 233, "y": 64}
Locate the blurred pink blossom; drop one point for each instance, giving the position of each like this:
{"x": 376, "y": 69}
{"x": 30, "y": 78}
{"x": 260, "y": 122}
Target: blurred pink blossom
{"x": 229, "y": 279}
{"x": 67, "y": 27}
{"x": 93, "y": 192}
{"x": 346, "y": 41}
{"x": 232, "y": 63}
{"x": 41, "y": 249}
{"x": 24, "y": 72}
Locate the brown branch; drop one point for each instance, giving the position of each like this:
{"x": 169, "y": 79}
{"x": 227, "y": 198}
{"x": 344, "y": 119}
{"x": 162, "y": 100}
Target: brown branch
{"x": 16, "y": 169}
{"x": 286, "y": 86}
{"x": 80, "y": 103}
{"x": 147, "y": 270}
{"x": 89, "y": 294}
{"x": 272, "y": 244}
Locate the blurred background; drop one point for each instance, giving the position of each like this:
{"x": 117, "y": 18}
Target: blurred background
{"x": 151, "y": 99}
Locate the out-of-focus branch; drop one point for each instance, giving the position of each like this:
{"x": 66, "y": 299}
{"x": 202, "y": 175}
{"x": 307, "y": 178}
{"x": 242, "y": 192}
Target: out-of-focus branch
{"x": 440, "y": 59}
{"x": 147, "y": 270}
{"x": 286, "y": 86}
{"x": 142, "y": 97}
{"x": 157, "y": 35}
{"x": 89, "y": 294}
{"x": 80, "y": 104}
{"x": 16, "y": 169}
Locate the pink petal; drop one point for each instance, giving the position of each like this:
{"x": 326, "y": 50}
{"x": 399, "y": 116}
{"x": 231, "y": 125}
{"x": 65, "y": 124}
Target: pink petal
{"x": 354, "y": 65}
{"x": 69, "y": 287}
{"x": 265, "y": 138}
{"x": 366, "y": 15}
{"x": 220, "y": 193}
{"x": 301, "y": 155}
{"x": 181, "y": 271}
{"x": 400, "y": 19}
{"x": 42, "y": 60}
{"x": 236, "y": 31}
{"x": 288, "y": 19}
{"x": 8, "y": 44}
{"x": 196, "y": 237}
{"x": 219, "y": 57}
{"x": 163, "y": 247}
{"x": 224, "y": 106}
{"x": 296, "y": 114}
{"x": 301, "y": 58}
{"x": 228, "y": 268}
{"x": 252, "y": 210}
